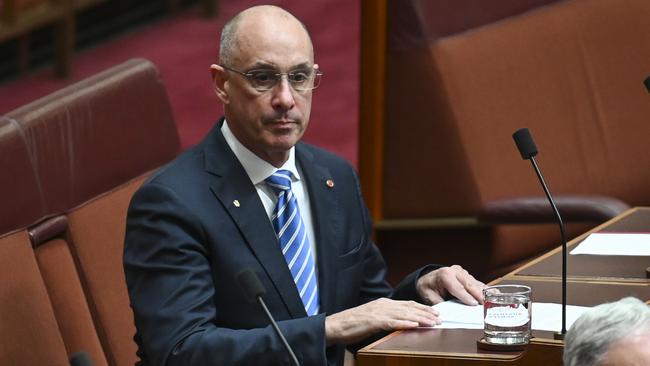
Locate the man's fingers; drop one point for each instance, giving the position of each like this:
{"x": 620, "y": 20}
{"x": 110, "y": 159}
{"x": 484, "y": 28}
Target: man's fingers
{"x": 461, "y": 294}
{"x": 354, "y": 324}
{"x": 431, "y": 296}
{"x": 423, "y": 314}
{"x": 464, "y": 287}
{"x": 397, "y": 324}
{"x": 410, "y": 311}
{"x": 436, "y": 285}
{"x": 476, "y": 290}
{"x": 422, "y": 307}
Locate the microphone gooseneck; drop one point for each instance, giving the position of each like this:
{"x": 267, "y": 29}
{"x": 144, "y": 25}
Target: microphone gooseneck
{"x": 254, "y": 290}
{"x": 528, "y": 150}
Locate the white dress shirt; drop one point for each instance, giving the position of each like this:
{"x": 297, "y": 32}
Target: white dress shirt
{"x": 258, "y": 170}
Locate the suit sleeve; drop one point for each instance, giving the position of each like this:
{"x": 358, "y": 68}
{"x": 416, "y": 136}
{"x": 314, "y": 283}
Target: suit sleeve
{"x": 170, "y": 283}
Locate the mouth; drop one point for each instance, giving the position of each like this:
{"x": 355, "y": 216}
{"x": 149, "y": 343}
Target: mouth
{"x": 283, "y": 124}
{"x": 283, "y": 121}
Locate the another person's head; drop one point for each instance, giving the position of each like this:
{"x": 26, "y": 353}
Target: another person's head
{"x": 268, "y": 118}
{"x": 616, "y": 333}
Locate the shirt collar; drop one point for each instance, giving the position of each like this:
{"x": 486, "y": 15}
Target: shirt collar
{"x": 257, "y": 168}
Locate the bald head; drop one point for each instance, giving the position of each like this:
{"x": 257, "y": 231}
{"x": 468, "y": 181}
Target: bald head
{"x": 257, "y": 45}
{"x": 264, "y": 21}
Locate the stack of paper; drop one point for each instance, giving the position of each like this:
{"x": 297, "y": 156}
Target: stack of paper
{"x": 545, "y": 316}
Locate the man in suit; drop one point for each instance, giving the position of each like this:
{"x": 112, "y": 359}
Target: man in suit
{"x": 250, "y": 195}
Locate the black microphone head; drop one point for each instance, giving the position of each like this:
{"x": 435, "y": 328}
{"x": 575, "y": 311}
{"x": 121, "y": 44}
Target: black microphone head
{"x": 80, "y": 359}
{"x": 525, "y": 143}
{"x": 251, "y": 285}
{"x": 647, "y": 83}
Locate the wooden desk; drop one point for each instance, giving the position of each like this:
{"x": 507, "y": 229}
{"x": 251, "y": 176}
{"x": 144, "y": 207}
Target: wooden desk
{"x": 592, "y": 280}
{"x": 601, "y": 267}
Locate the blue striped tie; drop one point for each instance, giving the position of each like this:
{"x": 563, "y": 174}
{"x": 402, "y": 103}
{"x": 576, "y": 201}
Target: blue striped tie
{"x": 294, "y": 242}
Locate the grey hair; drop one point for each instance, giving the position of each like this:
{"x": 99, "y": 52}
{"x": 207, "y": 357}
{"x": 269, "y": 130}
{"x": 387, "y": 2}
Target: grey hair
{"x": 227, "y": 41}
{"x": 589, "y": 338}
{"x": 229, "y": 34}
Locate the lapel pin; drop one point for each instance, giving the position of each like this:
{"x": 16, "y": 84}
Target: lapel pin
{"x": 329, "y": 183}
{"x": 236, "y": 203}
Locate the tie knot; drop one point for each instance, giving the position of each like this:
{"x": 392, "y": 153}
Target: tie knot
{"x": 279, "y": 181}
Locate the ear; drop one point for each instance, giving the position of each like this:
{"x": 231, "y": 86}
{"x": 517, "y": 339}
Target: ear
{"x": 219, "y": 82}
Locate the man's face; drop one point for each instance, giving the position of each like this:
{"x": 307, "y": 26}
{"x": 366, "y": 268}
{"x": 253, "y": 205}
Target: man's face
{"x": 268, "y": 123}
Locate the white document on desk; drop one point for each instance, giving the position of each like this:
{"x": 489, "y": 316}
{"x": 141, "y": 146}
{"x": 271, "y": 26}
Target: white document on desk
{"x": 456, "y": 315}
{"x": 546, "y": 316}
{"x": 615, "y": 244}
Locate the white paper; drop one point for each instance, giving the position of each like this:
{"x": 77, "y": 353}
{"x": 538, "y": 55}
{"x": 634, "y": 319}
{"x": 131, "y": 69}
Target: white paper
{"x": 457, "y": 315}
{"x": 546, "y": 316}
{"x": 614, "y": 244}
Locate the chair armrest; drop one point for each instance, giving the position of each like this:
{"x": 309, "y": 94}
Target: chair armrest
{"x": 537, "y": 210}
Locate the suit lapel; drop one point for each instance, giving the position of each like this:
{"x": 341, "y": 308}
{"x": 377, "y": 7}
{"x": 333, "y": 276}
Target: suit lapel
{"x": 327, "y": 226}
{"x": 238, "y": 196}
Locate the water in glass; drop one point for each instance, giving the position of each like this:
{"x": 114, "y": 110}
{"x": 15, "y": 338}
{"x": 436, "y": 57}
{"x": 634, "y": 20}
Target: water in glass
{"x": 507, "y": 314}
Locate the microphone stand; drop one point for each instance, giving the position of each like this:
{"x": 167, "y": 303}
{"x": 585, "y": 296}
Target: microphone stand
{"x": 294, "y": 359}
{"x": 253, "y": 289}
{"x": 560, "y": 335}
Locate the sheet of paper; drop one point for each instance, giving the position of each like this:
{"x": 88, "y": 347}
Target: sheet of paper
{"x": 614, "y": 244}
{"x": 458, "y": 315}
{"x": 546, "y": 316}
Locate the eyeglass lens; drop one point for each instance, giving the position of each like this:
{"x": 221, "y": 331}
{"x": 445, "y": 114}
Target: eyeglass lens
{"x": 299, "y": 80}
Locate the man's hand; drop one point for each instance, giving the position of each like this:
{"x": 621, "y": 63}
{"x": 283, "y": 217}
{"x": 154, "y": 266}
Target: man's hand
{"x": 434, "y": 286}
{"x": 355, "y": 324}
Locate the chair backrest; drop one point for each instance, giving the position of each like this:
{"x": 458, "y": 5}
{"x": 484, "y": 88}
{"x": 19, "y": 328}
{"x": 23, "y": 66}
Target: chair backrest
{"x": 572, "y": 72}
{"x": 72, "y": 160}
{"x": 29, "y": 333}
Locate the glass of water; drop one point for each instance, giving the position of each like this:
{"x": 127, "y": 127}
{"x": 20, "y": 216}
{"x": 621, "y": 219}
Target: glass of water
{"x": 507, "y": 314}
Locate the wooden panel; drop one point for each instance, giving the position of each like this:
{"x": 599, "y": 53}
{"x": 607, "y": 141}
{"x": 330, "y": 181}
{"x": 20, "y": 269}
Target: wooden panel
{"x": 539, "y": 352}
{"x": 372, "y": 99}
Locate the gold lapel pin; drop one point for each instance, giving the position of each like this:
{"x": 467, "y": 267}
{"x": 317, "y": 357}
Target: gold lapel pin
{"x": 236, "y": 203}
{"x": 329, "y": 183}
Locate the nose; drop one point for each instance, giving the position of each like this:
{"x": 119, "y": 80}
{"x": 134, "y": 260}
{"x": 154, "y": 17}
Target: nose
{"x": 283, "y": 95}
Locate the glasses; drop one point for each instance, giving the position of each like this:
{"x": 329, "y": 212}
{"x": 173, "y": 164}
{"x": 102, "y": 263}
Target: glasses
{"x": 265, "y": 80}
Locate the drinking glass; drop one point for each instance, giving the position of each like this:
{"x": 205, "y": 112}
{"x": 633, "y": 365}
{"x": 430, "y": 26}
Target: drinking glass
{"x": 507, "y": 314}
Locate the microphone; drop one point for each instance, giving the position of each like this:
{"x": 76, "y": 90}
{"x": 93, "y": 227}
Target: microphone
{"x": 647, "y": 83}
{"x": 80, "y": 359}
{"x": 254, "y": 290}
{"x": 528, "y": 150}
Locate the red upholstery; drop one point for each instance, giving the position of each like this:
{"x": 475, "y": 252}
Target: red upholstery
{"x": 572, "y": 72}
{"x": 68, "y": 300}
{"x": 22, "y": 203}
{"x": 97, "y": 236}
{"x": 29, "y": 334}
{"x": 97, "y": 134}
{"x": 74, "y": 159}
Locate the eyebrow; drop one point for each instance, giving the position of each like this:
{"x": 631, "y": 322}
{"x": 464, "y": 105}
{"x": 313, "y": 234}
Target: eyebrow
{"x": 266, "y": 65}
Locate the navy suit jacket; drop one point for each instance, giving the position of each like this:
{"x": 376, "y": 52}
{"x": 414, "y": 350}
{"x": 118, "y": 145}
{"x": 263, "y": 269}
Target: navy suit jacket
{"x": 186, "y": 240}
